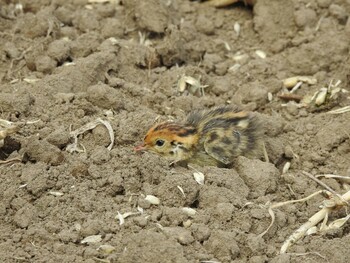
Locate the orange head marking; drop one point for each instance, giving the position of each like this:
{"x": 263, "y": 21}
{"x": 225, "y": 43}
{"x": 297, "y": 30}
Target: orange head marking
{"x": 170, "y": 140}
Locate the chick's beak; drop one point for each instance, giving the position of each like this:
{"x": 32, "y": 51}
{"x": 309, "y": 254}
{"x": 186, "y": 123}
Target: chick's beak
{"x": 140, "y": 148}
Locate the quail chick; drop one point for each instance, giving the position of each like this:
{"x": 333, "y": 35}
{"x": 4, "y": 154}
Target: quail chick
{"x": 208, "y": 137}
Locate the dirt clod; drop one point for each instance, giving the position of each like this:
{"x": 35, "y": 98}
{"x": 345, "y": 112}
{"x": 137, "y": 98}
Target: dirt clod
{"x": 263, "y": 181}
{"x": 43, "y": 151}
{"x": 223, "y": 245}
{"x": 24, "y": 216}
{"x": 147, "y": 246}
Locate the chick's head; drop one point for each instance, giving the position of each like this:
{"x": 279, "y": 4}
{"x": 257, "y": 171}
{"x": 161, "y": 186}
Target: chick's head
{"x": 170, "y": 140}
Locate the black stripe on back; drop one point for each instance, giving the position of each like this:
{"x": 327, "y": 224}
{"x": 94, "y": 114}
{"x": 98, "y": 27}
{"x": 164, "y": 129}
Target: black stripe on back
{"x": 187, "y": 131}
{"x": 213, "y": 136}
{"x": 237, "y": 134}
{"x": 222, "y": 123}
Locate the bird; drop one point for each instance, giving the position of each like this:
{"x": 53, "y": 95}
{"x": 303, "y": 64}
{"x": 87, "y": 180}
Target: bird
{"x": 213, "y": 137}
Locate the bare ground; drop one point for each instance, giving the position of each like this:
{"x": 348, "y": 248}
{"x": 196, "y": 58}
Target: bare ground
{"x": 67, "y": 63}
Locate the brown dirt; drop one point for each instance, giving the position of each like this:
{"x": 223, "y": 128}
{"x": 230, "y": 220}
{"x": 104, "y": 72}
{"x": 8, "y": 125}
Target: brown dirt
{"x": 137, "y": 82}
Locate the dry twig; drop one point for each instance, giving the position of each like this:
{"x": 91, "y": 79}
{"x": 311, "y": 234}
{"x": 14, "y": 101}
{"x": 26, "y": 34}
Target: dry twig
{"x": 74, "y": 147}
{"x": 322, "y": 184}
{"x": 339, "y": 177}
{"x": 340, "y": 111}
{"x": 273, "y": 206}
{"x": 223, "y": 3}
{"x": 6, "y": 128}
{"x": 313, "y": 221}
{"x": 10, "y": 161}
{"x": 334, "y": 201}
{"x": 290, "y": 96}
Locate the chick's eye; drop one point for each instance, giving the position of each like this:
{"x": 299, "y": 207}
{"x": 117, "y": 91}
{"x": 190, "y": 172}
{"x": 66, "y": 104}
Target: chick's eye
{"x": 159, "y": 143}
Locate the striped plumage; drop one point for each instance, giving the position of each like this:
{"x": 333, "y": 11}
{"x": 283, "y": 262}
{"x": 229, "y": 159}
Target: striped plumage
{"x": 208, "y": 137}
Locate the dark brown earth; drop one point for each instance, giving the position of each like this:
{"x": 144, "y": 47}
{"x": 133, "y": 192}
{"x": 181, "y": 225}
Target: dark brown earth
{"x": 67, "y": 63}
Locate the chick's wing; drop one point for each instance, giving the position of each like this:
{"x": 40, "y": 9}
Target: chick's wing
{"x": 223, "y": 144}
